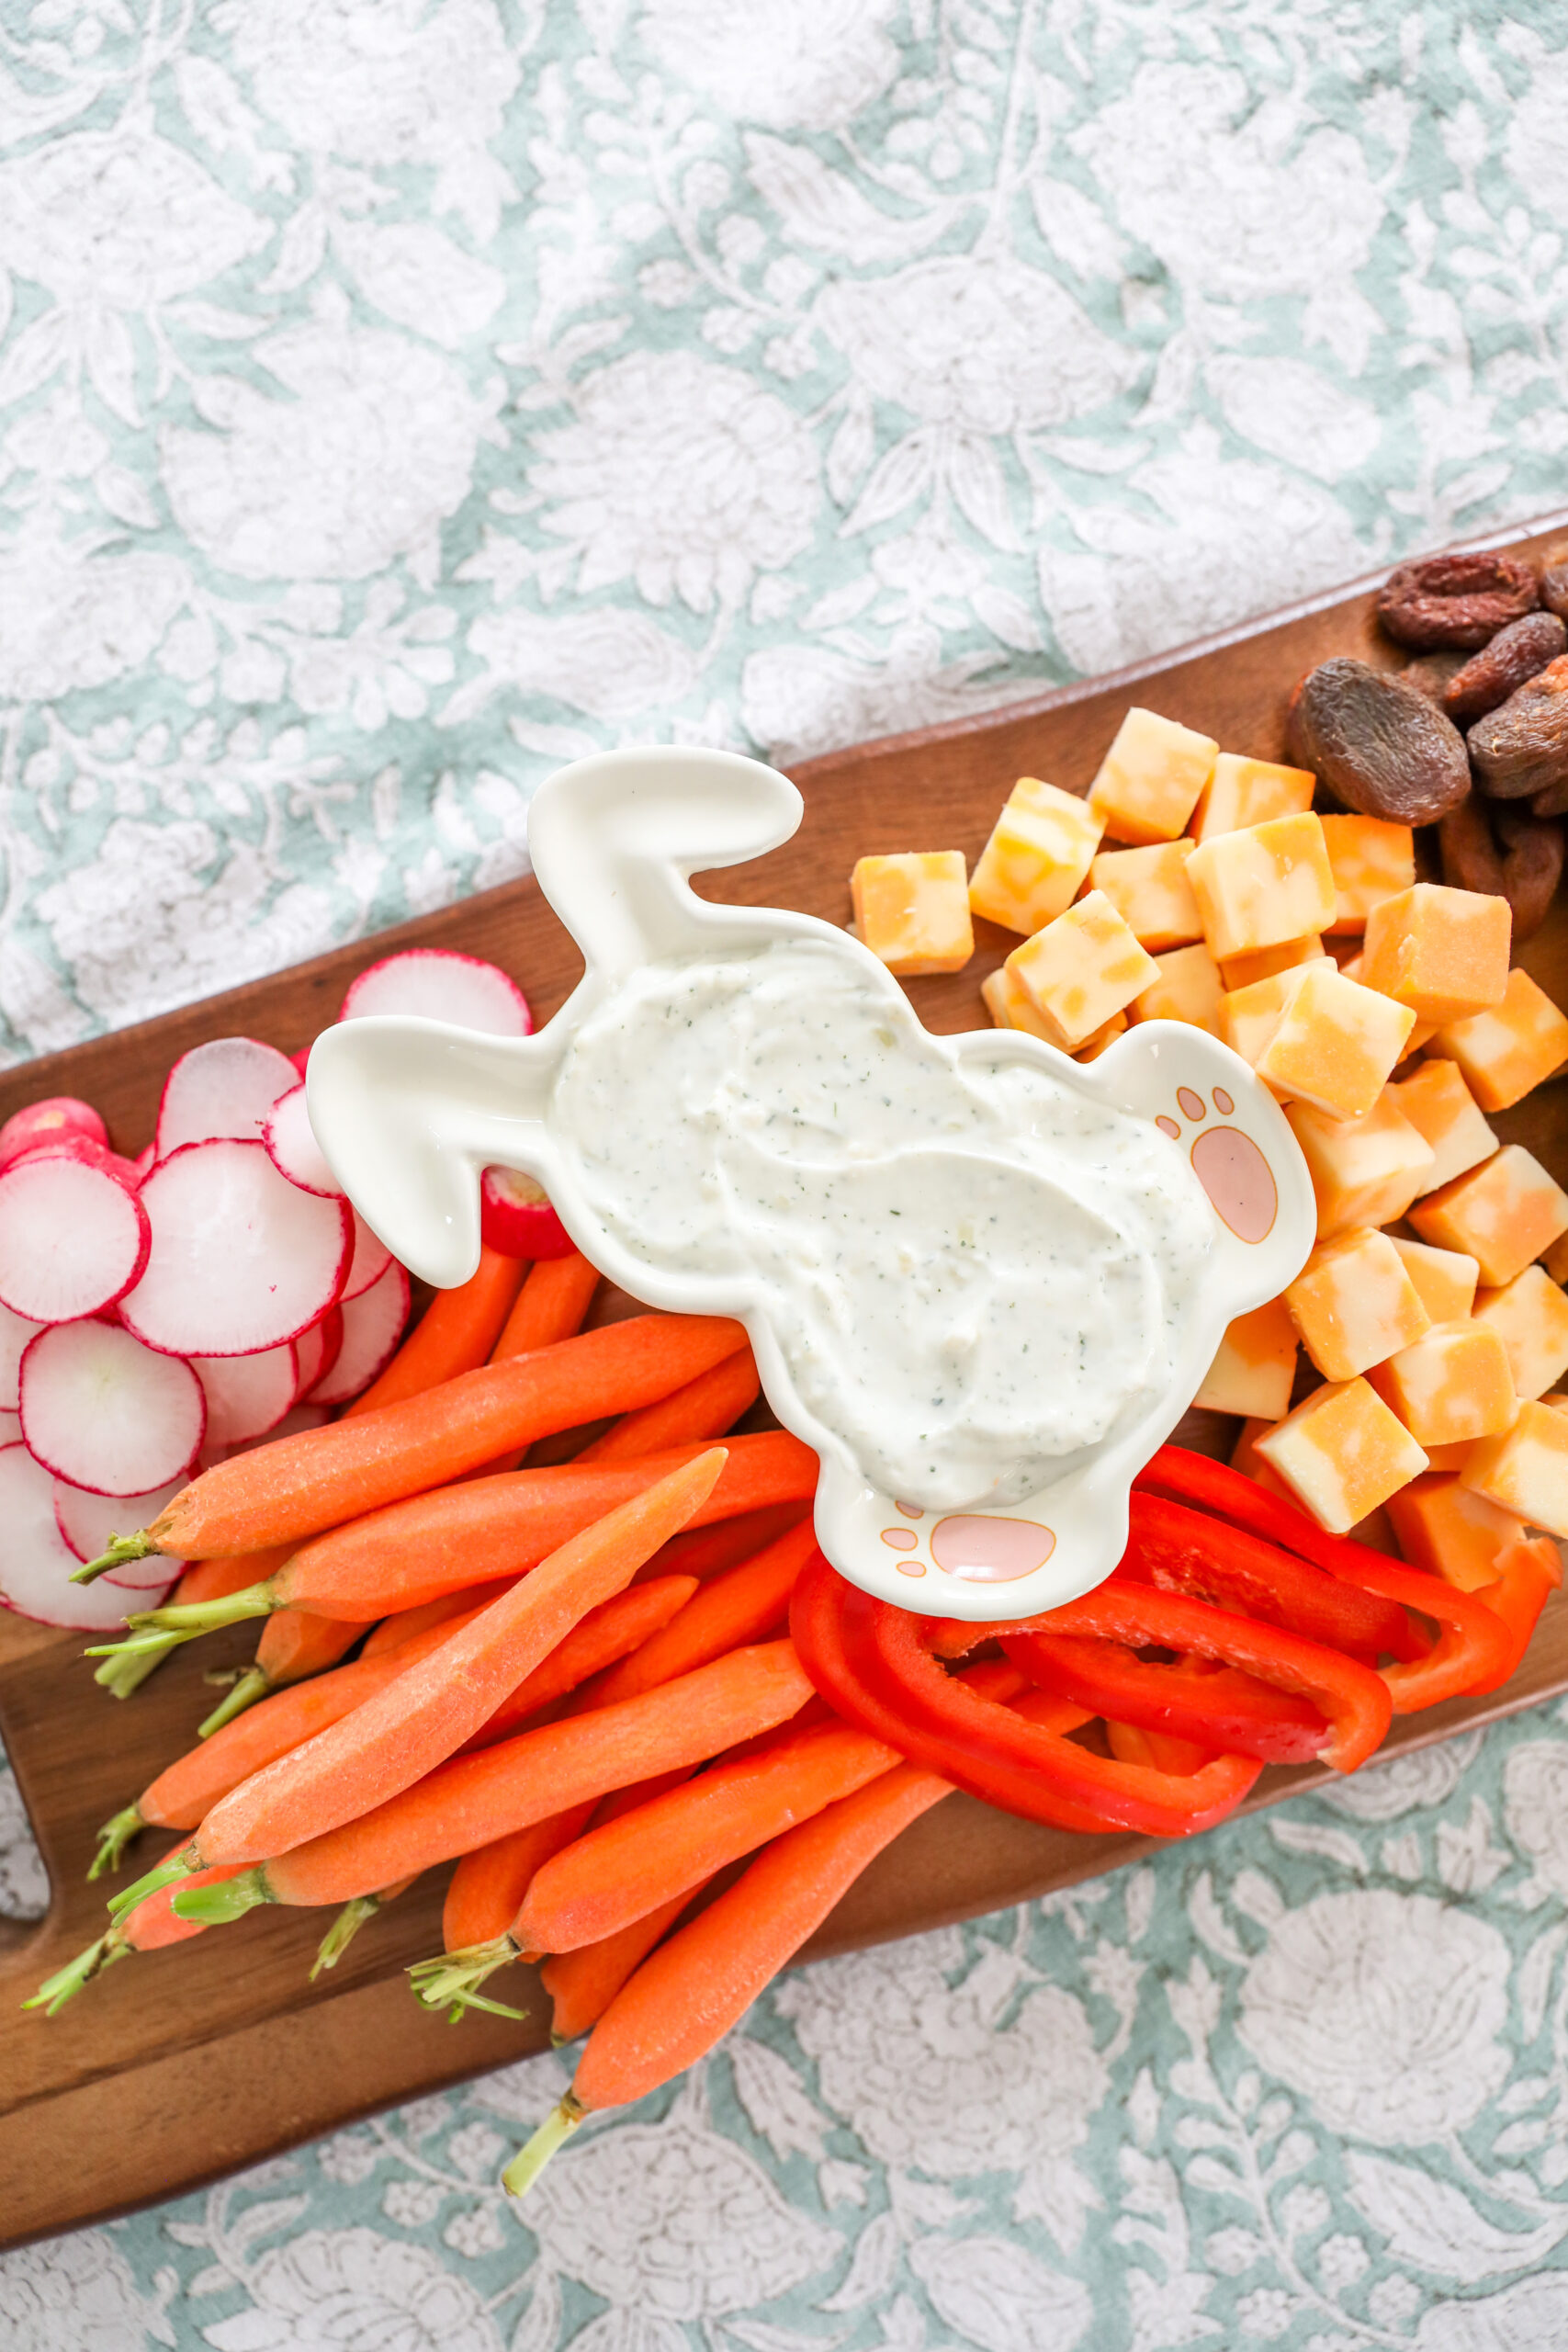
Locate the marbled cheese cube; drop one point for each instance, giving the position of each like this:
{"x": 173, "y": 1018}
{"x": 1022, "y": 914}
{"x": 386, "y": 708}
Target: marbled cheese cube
{"x": 1511, "y": 1046}
{"x": 1526, "y": 1469}
{"x": 1106, "y": 1035}
{"x": 1502, "y": 1214}
{"x": 1039, "y": 852}
{"x": 1249, "y": 792}
{"x": 1080, "y": 969}
{"x": 1440, "y": 1106}
{"x": 1444, "y": 952}
{"x": 1371, "y": 861}
{"x": 1245, "y": 971}
{"x": 1249, "y": 1016}
{"x": 913, "y": 911}
{"x": 1342, "y": 1452}
{"x": 1529, "y": 1316}
{"x": 1150, "y": 778}
{"x": 1446, "y": 1528}
{"x": 1364, "y": 1171}
{"x": 1150, "y": 890}
{"x": 1009, "y": 1006}
{"x": 1353, "y": 1304}
{"x": 1262, "y": 883}
{"x": 1246, "y": 1458}
{"x": 1255, "y": 1365}
{"x": 1335, "y": 1043}
{"x": 1451, "y": 1384}
{"x": 1188, "y": 990}
{"x": 1444, "y": 1280}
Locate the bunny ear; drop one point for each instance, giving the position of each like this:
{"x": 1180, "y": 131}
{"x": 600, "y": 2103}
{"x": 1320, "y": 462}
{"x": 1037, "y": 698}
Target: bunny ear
{"x": 613, "y": 839}
{"x": 410, "y": 1111}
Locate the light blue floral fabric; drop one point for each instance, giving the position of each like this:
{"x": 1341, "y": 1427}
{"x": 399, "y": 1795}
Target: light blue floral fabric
{"x": 398, "y": 397}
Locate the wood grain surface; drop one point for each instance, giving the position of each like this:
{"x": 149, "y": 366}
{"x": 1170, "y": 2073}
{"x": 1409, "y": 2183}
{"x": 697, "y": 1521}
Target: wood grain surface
{"x": 178, "y": 2066}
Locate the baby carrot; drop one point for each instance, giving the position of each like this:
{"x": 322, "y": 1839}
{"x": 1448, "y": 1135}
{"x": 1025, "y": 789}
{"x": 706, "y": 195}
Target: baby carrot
{"x": 470, "y": 1800}
{"x": 147, "y": 1927}
{"x": 455, "y": 1333}
{"x": 349, "y": 1919}
{"x": 582, "y": 1984}
{"x": 606, "y": 1634}
{"x": 394, "y": 1631}
{"x": 707, "y": 1407}
{"x": 294, "y": 1645}
{"x": 204, "y": 1580}
{"x": 550, "y": 1305}
{"x": 742, "y": 1605}
{"x": 297, "y": 1486}
{"x": 489, "y": 1884}
{"x": 708, "y": 1551}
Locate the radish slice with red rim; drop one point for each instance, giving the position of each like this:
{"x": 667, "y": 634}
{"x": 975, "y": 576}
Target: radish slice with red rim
{"x": 436, "y": 985}
{"x": 309, "y": 1416}
{"x": 104, "y": 1412}
{"x": 224, "y": 1087}
{"x": 517, "y": 1218}
{"x": 89, "y": 1523}
{"x": 318, "y": 1349}
{"x": 291, "y": 1141}
{"x": 247, "y": 1395}
{"x": 35, "y": 1562}
{"x": 72, "y": 1239}
{"x": 47, "y": 1122}
{"x": 16, "y": 1332}
{"x": 241, "y": 1260}
{"x": 370, "y": 1261}
{"x": 372, "y": 1326}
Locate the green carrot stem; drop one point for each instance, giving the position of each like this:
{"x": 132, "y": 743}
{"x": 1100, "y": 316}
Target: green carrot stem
{"x": 113, "y": 1837}
{"x": 183, "y": 1620}
{"x": 553, "y": 2133}
{"x": 121, "y": 1676}
{"x": 173, "y": 1868}
{"x": 67, "y": 1981}
{"x": 344, "y": 1928}
{"x": 253, "y": 1684}
{"x": 220, "y": 1900}
{"x": 458, "y": 1976}
{"x": 121, "y": 1548}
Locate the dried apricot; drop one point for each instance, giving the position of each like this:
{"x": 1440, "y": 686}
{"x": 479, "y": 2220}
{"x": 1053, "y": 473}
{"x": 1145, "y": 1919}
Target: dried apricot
{"x": 1506, "y": 852}
{"x": 1381, "y": 748}
{"x": 1521, "y": 748}
{"x": 1455, "y": 599}
{"x": 1501, "y": 667}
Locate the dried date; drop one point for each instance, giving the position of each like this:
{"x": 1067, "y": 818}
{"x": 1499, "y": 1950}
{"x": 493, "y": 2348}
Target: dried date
{"x": 1554, "y": 587}
{"x": 1521, "y": 748}
{"x": 1505, "y": 853}
{"x": 1500, "y": 668}
{"x": 1432, "y": 674}
{"x": 1380, "y": 747}
{"x": 1455, "y": 599}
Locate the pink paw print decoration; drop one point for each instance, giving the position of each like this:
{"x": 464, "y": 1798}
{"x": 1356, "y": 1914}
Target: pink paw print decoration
{"x": 883, "y": 1198}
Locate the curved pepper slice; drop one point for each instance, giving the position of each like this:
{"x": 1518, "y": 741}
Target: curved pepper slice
{"x": 1527, "y": 1573}
{"x": 1473, "y": 1648}
{"x": 1226, "y": 1711}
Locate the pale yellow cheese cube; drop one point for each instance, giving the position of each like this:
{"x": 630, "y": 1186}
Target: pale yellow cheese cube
{"x": 1106, "y": 1035}
{"x": 1255, "y": 1365}
{"x": 1437, "y": 1102}
{"x": 1039, "y": 852}
{"x": 1511, "y": 1046}
{"x": 1451, "y": 1384}
{"x": 1150, "y": 778}
{"x": 1262, "y": 883}
{"x": 913, "y": 911}
{"x": 1009, "y": 1006}
{"x": 1502, "y": 1214}
{"x": 1444, "y": 1280}
{"x": 1353, "y": 1304}
{"x": 1335, "y": 1043}
{"x": 1526, "y": 1470}
{"x": 1188, "y": 988}
{"x": 1442, "y": 952}
{"x": 1244, "y": 971}
{"x": 1080, "y": 969}
{"x": 1150, "y": 890}
{"x": 1451, "y": 1531}
{"x": 1364, "y": 1171}
{"x": 1249, "y": 1016}
{"x": 1249, "y": 792}
{"x": 1370, "y": 860}
{"x": 1246, "y": 1458}
{"x": 1342, "y": 1452}
{"x": 1529, "y": 1316}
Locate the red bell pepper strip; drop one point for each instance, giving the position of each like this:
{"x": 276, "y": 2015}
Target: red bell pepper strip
{"x": 1135, "y": 1746}
{"x": 1226, "y": 1712}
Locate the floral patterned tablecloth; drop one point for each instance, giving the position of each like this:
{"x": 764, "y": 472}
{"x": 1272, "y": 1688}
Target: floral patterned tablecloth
{"x": 398, "y": 397}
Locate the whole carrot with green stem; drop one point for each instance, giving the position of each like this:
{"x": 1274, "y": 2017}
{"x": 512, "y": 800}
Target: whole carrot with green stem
{"x": 147, "y": 1926}
{"x": 455, "y": 1334}
{"x": 707, "y": 1407}
{"x": 743, "y": 1604}
{"x": 203, "y": 1581}
{"x": 550, "y": 1305}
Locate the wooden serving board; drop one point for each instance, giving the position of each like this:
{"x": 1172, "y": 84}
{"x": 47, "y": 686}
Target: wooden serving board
{"x": 186, "y": 2064}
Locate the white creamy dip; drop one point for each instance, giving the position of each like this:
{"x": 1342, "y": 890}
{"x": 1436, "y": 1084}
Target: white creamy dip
{"x": 974, "y": 1273}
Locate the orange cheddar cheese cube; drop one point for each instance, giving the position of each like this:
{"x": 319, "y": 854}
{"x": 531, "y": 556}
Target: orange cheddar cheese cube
{"x": 1364, "y": 1171}
{"x": 1249, "y": 1016}
{"x": 1452, "y": 1458}
{"x": 1247, "y": 791}
{"x": 1509, "y": 1047}
{"x": 1243, "y": 972}
{"x": 1437, "y": 1102}
{"x": 1444, "y": 952}
{"x": 1526, "y": 1470}
{"x": 1039, "y": 852}
{"x": 913, "y": 911}
{"x": 1446, "y": 1528}
{"x": 1370, "y": 860}
{"x": 1451, "y": 1384}
{"x": 1107, "y": 1035}
{"x": 1335, "y": 1043}
{"x": 1254, "y": 1367}
{"x": 1262, "y": 883}
{"x": 1353, "y": 1304}
{"x": 1444, "y": 1280}
{"x": 1502, "y": 1214}
{"x": 1342, "y": 1452}
{"x": 1188, "y": 988}
{"x": 1529, "y": 1316}
{"x": 1149, "y": 889}
{"x": 1080, "y": 969}
{"x": 1149, "y": 780}
{"x": 1009, "y": 1006}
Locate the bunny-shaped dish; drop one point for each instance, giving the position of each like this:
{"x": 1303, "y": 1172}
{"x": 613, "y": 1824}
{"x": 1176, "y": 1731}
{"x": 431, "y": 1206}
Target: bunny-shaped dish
{"x": 981, "y": 1280}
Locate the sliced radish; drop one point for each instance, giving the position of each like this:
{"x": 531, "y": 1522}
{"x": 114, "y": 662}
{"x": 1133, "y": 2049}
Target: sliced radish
{"x": 144, "y": 1161}
{"x": 318, "y": 1349}
{"x": 302, "y": 1058}
{"x": 301, "y": 1417}
{"x": 241, "y": 1260}
{"x": 16, "y": 1331}
{"x": 224, "y": 1087}
{"x": 439, "y": 986}
{"x": 35, "y": 1562}
{"x": 247, "y": 1395}
{"x": 10, "y": 1429}
{"x": 88, "y": 1521}
{"x": 517, "y": 1218}
{"x": 372, "y": 1326}
{"x": 370, "y": 1261}
{"x": 85, "y": 1152}
{"x": 291, "y": 1140}
{"x": 57, "y": 1115}
{"x": 106, "y": 1413}
{"x": 72, "y": 1239}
